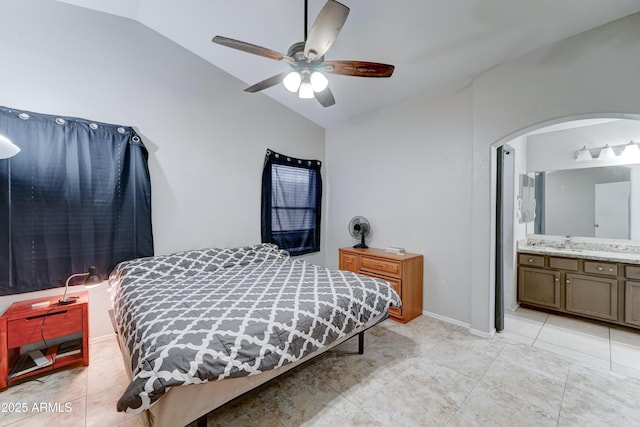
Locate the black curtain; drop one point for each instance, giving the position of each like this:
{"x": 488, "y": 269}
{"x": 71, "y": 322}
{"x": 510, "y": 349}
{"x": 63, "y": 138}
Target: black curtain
{"x": 291, "y": 203}
{"x": 77, "y": 194}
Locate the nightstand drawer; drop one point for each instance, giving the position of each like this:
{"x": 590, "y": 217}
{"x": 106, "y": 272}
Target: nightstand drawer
{"x": 376, "y": 265}
{"x": 50, "y": 325}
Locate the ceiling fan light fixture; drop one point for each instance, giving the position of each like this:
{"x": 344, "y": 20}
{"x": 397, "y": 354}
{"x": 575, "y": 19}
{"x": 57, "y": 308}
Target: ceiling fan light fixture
{"x": 306, "y": 91}
{"x": 318, "y": 81}
{"x": 292, "y": 81}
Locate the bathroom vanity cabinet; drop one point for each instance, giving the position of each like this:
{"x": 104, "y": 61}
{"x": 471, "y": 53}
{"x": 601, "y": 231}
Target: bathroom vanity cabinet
{"x": 602, "y": 290}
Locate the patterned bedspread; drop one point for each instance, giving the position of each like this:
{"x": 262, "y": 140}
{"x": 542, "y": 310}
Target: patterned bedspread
{"x": 209, "y": 314}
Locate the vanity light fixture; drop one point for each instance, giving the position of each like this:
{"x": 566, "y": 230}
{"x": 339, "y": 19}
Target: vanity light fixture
{"x": 583, "y": 155}
{"x": 631, "y": 151}
{"x": 607, "y": 153}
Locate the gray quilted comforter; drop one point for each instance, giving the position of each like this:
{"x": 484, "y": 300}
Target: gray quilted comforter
{"x": 209, "y": 314}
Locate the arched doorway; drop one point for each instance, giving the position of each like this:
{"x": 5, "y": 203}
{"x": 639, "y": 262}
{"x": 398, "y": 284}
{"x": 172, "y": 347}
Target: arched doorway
{"x": 574, "y": 132}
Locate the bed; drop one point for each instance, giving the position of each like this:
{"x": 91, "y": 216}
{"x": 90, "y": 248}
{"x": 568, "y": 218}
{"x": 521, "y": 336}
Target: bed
{"x": 198, "y": 328}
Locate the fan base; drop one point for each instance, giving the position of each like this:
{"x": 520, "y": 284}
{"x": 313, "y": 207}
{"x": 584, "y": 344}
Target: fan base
{"x": 360, "y": 245}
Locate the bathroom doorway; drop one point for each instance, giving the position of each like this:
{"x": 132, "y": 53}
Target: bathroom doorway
{"x": 548, "y": 149}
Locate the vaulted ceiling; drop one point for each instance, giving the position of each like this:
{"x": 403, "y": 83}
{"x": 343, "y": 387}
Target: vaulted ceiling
{"x": 432, "y": 43}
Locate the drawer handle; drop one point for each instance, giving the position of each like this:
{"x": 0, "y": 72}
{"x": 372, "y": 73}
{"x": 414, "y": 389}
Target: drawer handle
{"x": 568, "y": 282}
{"x": 530, "y": 259}
{"x": 600, "y": 268}
{"x": 557, "y": 279}
{"x": 40, "y": 316}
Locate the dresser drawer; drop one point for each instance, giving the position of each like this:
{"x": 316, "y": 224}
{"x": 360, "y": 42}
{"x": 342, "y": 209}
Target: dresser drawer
{"x": 47, "y": 326}
{"x": 632, "y": 272}
{"x": 349, "y": 262}
{"x": 532, "y": 260}
{"x": 376, "y": 265}
{"x": 604, "y": 268}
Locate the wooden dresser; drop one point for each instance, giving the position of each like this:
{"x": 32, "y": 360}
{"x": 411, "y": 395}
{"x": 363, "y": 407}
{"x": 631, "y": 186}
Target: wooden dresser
{"x": 404, "y": 272}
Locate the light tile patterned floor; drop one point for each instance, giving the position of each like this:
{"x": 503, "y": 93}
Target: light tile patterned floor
{"x": 543, "y": 370}
{"x": 585, "y": 342}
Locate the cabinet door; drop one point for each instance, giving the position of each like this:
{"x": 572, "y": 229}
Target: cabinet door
{"x": 632, "y": 303}
{"x": 538, "y": 286}
{"x": 592, "y": 296}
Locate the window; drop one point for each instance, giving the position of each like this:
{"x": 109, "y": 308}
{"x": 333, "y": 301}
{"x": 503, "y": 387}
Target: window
{"x": 291, "y": 203}
{"x": 78, "y": 194}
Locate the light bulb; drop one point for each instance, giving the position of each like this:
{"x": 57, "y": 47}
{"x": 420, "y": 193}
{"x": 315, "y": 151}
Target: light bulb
{"x": 306, "y": 91}
{"x": 607, "y": 153}
{"x": 631, "y": 151}
{"x": 318, "y": 81}
{"x": 292, "y": 81}
{"x": 583, "y": 155}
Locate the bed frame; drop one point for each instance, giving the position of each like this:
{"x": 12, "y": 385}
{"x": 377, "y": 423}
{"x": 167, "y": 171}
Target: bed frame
{"x": 185, "y": 404}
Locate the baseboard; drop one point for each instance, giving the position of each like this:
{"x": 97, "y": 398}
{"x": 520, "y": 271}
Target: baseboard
{"x": 102, "y": 338}
{"x": 446, "y": 319}
{"x": 482, "y": 334}
{"x": 465, "y": 325}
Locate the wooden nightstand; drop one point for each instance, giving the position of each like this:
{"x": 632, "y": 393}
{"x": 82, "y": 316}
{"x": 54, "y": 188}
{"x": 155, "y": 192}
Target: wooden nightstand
{"x": 404, "y": 272}
{"x": 42, "y": 322}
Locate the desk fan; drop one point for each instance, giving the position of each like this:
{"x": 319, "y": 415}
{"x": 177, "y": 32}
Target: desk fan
{"x": 359, "y": 228}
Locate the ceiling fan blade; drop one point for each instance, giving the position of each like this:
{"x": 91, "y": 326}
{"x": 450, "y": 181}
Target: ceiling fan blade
{"x": 267, "y": 83}
{"x": 252, "y": 48}
{"x": 325, "y": 98}
{"x": 358, "y": 68}
{"x": 325, "y": 29}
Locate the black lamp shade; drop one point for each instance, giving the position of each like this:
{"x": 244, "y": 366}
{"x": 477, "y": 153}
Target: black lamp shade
{"x": 93, "y": 278}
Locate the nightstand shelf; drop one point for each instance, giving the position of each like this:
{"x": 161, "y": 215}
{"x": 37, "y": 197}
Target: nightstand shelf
{"x": 42, "y": 324}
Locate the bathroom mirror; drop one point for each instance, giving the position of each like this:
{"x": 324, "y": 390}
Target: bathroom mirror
{"x": 601, "y": 202}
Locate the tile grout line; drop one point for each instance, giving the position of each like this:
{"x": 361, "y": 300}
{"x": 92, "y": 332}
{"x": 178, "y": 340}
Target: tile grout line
{"x": 610, "y": 353}
{"x": 474, "y": 386}
{"x": 564, "y": 392}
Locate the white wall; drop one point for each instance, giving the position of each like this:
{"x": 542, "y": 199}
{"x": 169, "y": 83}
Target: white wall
{"x": 519, "y": 229}
{"x": 634, "y": 203}
{"x": 206, "y": 137}
{"x": 408, "y": 170}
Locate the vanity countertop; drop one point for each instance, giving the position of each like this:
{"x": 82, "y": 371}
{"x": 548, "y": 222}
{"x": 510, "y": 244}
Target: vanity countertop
{"x": 605, "y": 251}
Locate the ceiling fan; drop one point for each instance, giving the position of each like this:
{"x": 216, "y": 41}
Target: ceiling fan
{"x": 306, "y": 58}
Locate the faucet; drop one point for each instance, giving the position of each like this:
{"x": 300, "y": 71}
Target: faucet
{"x": 567, "y": 242}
